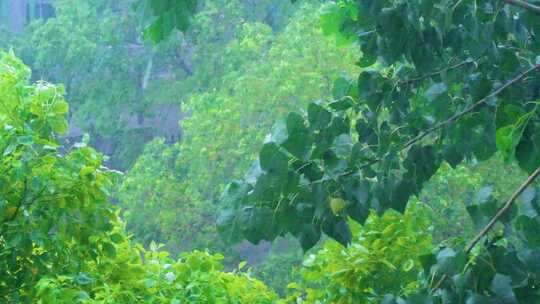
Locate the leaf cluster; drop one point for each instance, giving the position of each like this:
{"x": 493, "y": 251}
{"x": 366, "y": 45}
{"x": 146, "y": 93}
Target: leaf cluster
{"x": 441, "y": 82}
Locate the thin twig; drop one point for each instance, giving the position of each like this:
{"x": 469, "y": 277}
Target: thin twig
{"x": 495, "y": 218}
{"x": 19, "y": 205}
{"x": 455, "y": 66}
{"x": 348, "y": 173}
{"x": 439, "y": 282}
{"x": 456, "y": 116}
{"x": 524, "y": 4}
{"x": 22, "y": 202}
{"x": 468, "y": 110}
{"x": 503, "y": 210}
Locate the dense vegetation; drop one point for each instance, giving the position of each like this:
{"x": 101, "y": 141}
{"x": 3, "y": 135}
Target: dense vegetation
{"x": 371, "y": 152}
{"x": 277, "y": 73}
{"x": 442, "y": 82}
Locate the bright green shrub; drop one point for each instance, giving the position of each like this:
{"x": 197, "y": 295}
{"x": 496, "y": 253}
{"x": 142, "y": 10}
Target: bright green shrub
{"x": 61, "y": 240}
{"x": 383, "y": 257}
{"x": 196, "y": 277}
{"x": 54, "y": 212}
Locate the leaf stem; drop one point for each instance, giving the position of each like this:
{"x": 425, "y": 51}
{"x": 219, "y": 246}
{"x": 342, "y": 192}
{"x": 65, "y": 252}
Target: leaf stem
{"x": 455, "y": 66}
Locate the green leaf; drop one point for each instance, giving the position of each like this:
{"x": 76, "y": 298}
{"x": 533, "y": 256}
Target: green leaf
{"x": 509, "y": 115}
{"x": 299, "y": 142}
{"x": 272, "y": 160}
{"x": 337, "y": 229}
{"x": 9, "y": 149}
{"x": 26, "y": 140}
{"x": 507, "y": 138}
{"x": 336, "y": 205}
{"x": 501, "y": 285}
{"x": 528, "y": 149}
{"x": 408, "y": 266}
{"x": 341, "y": 104}
{"x": 335, "y": 20}
{"x": 367, "y": 60}
{"x": 483, "y": 208}
{"x": 82, "y": 279}
{"x": 342, "y": 145}
{"x": 528, "y": 229}
{"x": 527, "y": 204}
{"x": 279, "y": 132}
{"x": 60, "y": 107}
{"x": 58, "y": 124}
{"x": 241, "y": 265}
{"x": 117, "y": 238}
{"x": 155, "y": 31}
{"x": 450, "y": 262}
{"x": 109, "y": 249}
{"x": 513, "y": 121}
{"x": 479, "y": 85}
{"x": 318, "y": 117}
{"x": 435, "y": 91}
{"x": 169, "y": 16}
{"x": 308, "y": 235}
{"x": 341, "y": 87}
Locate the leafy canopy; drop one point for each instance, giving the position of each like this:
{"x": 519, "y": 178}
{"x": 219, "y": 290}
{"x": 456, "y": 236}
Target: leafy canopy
{"x": 54, "y": 212}
{"x": 167, "y": 16}
{"x": 384, "y": 256}
{"x": 169, "y": 194}
{"x": 441, "y": 81}
{"x": 61, "y": 240}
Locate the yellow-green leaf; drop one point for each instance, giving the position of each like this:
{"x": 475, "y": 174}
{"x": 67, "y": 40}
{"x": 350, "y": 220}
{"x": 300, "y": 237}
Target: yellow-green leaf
{"x": 337, "y": 204}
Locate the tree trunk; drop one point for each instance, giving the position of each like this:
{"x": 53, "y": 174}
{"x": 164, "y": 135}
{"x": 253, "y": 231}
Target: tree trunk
{"x": 17, "y": 12}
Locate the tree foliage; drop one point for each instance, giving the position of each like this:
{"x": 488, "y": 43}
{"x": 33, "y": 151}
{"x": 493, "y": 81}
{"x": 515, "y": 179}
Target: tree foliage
{"x": 54, "y": 207}
{"x": 155, "y": 205}
{"x": 384, "y": 256}
{"x": 116, "y": 79}
{"x": 441, "y": 82}
{"x": 196, "y": 277}
{"x": 94, "y": 49}
{"x": 61, "y": 240}
{"x": 168, "y": 16}
{"x": 444, "y": 91}
{"x": 170, "y": 193}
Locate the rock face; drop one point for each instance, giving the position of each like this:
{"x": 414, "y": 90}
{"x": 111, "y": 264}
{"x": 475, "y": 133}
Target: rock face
{"x": 159, "y": 120}
{"x": 162, "y": 120}
{"x": 253, "y": 254}
{"x": 257, "y": 254}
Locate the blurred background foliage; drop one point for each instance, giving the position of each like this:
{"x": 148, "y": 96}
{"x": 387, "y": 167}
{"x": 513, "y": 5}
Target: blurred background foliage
{"x": 187, "y": 113}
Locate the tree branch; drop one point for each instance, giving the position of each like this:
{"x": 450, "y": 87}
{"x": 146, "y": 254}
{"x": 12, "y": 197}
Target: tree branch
{"x": 503, "y": 210}
{"x": 22, "y": 202}
{"x": 19, "y": 204}
{"x": 524, "y": 4}
{"x": 495, "y": 218}
{"x": 456, "y": 116}
{"x": 468, "y": 110}
{"x": 452, "y": 67}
